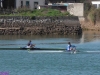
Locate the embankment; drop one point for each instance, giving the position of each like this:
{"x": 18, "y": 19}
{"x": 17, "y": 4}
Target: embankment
{"x": 18, "y": 25}
{"x": 88, "y": 26}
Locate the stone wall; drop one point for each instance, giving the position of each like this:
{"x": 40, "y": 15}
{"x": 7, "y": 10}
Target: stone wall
{"x": 39, "y": 25}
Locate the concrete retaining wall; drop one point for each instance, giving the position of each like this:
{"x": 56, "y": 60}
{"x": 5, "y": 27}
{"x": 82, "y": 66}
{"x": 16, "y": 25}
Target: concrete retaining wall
{"x": 76, "y": 9}
{"x": 39, "y": 25}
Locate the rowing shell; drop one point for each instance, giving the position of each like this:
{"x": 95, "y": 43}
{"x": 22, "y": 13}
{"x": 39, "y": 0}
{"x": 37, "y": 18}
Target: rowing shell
{"x": 22, "y": 48}
{"x": 39, "y": 50}
{"x": 49, "y": 50}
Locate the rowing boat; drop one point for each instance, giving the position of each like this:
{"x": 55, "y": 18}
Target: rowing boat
{"x": 40, "y": 50}
{"x": 22, "y": 48}
{"x": 48, "y": 50}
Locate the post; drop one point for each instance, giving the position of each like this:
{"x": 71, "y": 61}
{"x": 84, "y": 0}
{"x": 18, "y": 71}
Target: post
{"x": 1, "y": 4}
{"x": 97, "y": 6}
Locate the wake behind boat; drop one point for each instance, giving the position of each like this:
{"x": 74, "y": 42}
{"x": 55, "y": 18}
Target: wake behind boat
{"x": 46, "y": 51}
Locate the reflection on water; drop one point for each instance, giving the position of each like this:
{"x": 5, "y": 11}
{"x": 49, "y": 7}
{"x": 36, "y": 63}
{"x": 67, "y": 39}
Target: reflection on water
{"x": 9, "y": 37}
{"x": 90, "y": 36}
{"x": 85, "y": 37}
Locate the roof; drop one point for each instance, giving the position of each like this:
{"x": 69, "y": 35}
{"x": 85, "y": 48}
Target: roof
{"x": 95, "y": 2}
{"x": 56, "y": 4}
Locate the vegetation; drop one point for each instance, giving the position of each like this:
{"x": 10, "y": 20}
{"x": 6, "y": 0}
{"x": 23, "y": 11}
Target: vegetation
{"x": 38, "y": 12}
{"x": 92, "y": 13}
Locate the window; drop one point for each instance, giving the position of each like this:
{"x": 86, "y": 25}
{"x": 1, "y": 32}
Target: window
{"x": 27, "y": 3}
{"x": 21, "y": 4}
{"x": 95, "y": 5}
{"x": 35, "y": 5}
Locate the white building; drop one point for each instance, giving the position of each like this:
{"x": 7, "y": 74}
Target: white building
{"x": 32, "y": 4}
{"x": 96, "y": 4}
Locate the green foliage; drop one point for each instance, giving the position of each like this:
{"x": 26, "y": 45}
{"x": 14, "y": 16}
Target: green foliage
{"x": 40, "y": 12}
{"x": 87, "y": 8}
{"x": 92, "y": 15}
{"x": 98, "y": 14}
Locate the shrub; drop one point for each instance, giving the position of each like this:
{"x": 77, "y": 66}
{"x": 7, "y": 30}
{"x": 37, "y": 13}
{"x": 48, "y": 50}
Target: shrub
{"x": 92, "y": 15}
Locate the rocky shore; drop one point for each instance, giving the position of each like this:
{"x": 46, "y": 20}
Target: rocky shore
{"x": 88, "y": 26}
{"x": 18, "y": 25}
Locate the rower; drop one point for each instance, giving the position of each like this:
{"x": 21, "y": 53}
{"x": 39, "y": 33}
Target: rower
{"x": 71, "y": 47}
{"x": 30, "y": 44}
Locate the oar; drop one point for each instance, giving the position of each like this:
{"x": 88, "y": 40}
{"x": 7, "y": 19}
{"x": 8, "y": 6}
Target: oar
{"x": 11, "y": 44}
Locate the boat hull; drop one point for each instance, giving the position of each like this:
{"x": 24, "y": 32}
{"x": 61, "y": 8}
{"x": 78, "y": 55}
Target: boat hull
{"x": 22, "y": 48}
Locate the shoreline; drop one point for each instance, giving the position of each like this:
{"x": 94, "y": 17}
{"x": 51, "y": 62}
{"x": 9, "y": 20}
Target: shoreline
{"x": 88, "y": 26}
{"x": 66, "y": 25}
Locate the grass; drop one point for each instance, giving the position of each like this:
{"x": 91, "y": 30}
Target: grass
{"x": 39, "y": 12}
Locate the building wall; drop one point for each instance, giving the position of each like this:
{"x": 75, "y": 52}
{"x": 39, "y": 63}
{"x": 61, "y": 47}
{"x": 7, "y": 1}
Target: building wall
{"x": 64, "y": 1}
{"x": 96, "y": 4}
{"x": 31, "y": 2}
{"x": 76, "y": 9}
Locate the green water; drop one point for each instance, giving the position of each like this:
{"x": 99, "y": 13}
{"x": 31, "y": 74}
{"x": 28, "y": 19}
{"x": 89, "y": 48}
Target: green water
{"x": 25, "y": 63}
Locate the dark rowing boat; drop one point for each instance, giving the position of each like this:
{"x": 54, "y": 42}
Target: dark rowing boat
{"x": 22, "y": 48}
{"x": 49, "y": 50}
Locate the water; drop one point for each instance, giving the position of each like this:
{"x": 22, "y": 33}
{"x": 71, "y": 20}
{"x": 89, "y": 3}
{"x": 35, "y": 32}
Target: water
{"x": 60, "y": 63}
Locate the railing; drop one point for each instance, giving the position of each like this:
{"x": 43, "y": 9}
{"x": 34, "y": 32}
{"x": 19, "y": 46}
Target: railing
{"x": 6, "y": 11}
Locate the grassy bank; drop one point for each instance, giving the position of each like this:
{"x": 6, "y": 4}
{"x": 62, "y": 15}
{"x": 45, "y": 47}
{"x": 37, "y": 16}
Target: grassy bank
{"x": 40, "y": 12}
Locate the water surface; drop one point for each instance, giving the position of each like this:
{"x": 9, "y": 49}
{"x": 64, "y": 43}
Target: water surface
{"x": 27, "y": 63}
